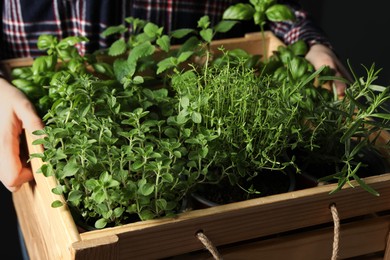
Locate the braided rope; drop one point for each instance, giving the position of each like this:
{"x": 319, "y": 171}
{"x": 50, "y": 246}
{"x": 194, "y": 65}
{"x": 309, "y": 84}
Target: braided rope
{"x": 208, "y": 245}
{"x": 336, "y": 231}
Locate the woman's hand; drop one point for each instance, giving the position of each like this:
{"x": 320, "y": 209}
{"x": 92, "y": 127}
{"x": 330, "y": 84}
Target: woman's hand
{"x": 16, "y": 114}
{"x": 320, "y": 55}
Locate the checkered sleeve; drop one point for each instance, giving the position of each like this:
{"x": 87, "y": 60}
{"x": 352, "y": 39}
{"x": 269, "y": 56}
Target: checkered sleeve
{"x": 303, "y": 28}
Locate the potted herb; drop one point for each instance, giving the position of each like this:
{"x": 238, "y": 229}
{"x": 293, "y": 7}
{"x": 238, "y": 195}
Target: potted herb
{"x": 168, "y": 136}
{"x": 125, "y": 152}
{"x": 121, "y": 151}
{"x": 120, "y": 147}
{"x": 354, "y": 121}
{"x": 128, "y": 138}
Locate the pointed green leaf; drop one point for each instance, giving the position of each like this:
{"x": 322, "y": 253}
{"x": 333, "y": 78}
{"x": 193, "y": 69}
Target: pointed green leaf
{"x": 224, "y": 26}
{"x": 117, "y": 48}
{"x": 279, "y": 13}
{"x": 164, "y": 43}
{"x": 239, "y": 11}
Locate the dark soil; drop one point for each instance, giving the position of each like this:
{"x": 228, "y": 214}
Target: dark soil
{"x": 274, "y": 182}
{"x": 266, "y": 183}
{"x": 373, "y": 164}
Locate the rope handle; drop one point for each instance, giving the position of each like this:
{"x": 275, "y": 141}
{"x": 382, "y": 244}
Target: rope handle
{"x": 336, "y": 231}
{"x": 208, "y": 245}
{"x": 336, "y": 237}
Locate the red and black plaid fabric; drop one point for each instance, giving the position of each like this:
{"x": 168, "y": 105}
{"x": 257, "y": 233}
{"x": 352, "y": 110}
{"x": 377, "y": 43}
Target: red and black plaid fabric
{"x": 23, "y": 21}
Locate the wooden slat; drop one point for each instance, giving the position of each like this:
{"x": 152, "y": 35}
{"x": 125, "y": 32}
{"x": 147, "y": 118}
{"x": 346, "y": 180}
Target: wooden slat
{"x": 97, "y": 249}
{"x": 7, "y": 65}
{"x": 250, "y": 43}
{"x": 387, "y": 251}
{"x": 245, "y": 220}
{"x": 358, "y": 238}
{"x": 48, "y": 231}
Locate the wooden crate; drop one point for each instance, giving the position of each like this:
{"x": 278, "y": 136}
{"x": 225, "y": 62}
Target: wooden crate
{"x": 297, "y": 224}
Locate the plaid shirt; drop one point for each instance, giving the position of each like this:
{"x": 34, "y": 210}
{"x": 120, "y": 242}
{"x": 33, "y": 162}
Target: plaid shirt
{"x": 23, "y": 21}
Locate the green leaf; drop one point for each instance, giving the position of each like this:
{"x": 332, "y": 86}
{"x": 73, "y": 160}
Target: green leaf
{"x": 184, "y": 56}
{"x": 99, "y": 195}
{"x": 145, "y": 188}
{"x": 21, "y": 83}
{"x": 180, "y": 33}
{"x": 298, "y": 67}
{"x": 114, "y": 30}
{"x": 137, "y": 165}
{"x": 166, "y": 64}
{"x": 105, "y": 177}
{"x": 185, "y": 102}
{"x": 351, "y": 131}
{"x": 279, "y": 13}
{"x": 164, "y": 43}
{"x": 138, "y": 80}
{"x": 364, "y": 185}
{"x": 47, "y": 170}
{"x": 75, "y": 195}
{"x": 378, "y": 88}
{"x": 123, "y": 69}
{"x": 340, "y": 185}
{"x": 42, "y": 64}
{"x": 196, "y": 117}
{"x": 37, "y": 155}
{"x": 39, "y": 132}
{"x": 56, "y": 204}
{"x": 167, "y": 177}
{"x": 39, "y": 141}
{"x": 190, "y": 44}
{"x": 146, "y": 215}
{"x": 152, "y": 30}
{"x": 70, "y": 169}
{"x": 104, "y": 68}
{"x": 118, "y": 212}
{"x": 357, "y": 148}
{"x": 224, "y": 26}
{"x": 299, "y": 48}
{"x": 171, "y": 132}
{"x": 117, "y": 48}
{"x": 142, "y": 50}
{"x": 72, "y": 40}
{"x": 100, "y": 223}
{"x": 204, "y": 22}
{"x": 46, "y": 41}
{"x": 239, "y": 11}
{"x": 58, "y": 190}
{"x": 91, "y": 184}
{"x": 203, "y": 152}
{"x": 206, "y": 34}
{"x": 182, "y": 117}
{"x": 191, "y": 164}
{"x": 381, "y": 115}
{"x": 161, "y": 204}
{"x": 177, "y": 154}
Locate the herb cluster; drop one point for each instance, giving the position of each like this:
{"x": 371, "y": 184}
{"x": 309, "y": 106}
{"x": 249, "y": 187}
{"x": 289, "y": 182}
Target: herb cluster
{"x": 132, "y": 130}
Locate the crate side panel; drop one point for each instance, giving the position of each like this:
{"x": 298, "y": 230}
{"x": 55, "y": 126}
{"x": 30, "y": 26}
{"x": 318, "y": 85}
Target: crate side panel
{"x": 253, "y": 43}
{"x": 241, "y": 221}
{"x": 49, "y": 232}
{"x": 357, "y": 238}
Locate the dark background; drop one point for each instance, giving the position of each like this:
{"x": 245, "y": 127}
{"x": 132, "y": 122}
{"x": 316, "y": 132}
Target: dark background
{"x": 357, "y": 30}
{"x": 10, "y": 245}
